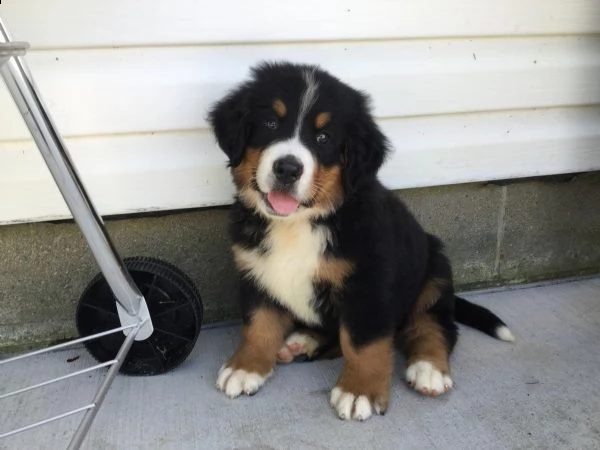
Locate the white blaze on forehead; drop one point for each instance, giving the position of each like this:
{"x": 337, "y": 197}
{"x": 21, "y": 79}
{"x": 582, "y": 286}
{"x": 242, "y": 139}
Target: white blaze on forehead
{"x": 309, "y": 98}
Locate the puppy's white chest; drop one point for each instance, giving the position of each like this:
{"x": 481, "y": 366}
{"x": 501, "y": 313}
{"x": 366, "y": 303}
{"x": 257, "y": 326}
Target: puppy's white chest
{"x": 288, "y": 267}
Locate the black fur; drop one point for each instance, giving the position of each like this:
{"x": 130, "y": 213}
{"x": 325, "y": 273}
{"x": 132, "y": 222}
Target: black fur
{"x": 230, "y": 125}
{"x": 393, "y": 256}
{"x": 365, "y": 148}
{"x": 477, "y": 317}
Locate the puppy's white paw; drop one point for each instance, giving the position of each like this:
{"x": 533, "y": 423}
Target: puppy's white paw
{"x": 425, "y": 378}
{"x": 351, "y": 406}
{"x": 236, "y": 382}
{"x": 295, "y": 345}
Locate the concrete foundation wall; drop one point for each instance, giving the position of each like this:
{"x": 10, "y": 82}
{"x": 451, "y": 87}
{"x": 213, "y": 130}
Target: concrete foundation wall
{"x": 496, "y": 234}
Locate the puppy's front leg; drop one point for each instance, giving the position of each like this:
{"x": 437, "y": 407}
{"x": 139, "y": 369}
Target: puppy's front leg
{"x": 263, "y": 335}
{"x": 364, "y": 384}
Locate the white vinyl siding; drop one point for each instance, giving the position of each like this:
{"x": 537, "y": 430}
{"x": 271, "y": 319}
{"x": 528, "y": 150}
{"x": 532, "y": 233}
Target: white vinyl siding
{"x": 466, "y": 90}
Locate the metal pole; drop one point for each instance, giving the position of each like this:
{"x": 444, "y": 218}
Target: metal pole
{"x": 26, "y": 96}
{"x": 90, "y": 414}
{"x": 45, "y": 421}
{"x": 65, "y": 344}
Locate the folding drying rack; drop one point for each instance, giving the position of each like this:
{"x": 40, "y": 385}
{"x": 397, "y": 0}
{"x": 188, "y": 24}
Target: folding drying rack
{"x": 149, "y": 332}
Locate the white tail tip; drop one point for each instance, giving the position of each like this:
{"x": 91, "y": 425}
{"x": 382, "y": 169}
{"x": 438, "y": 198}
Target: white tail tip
{"x": 503, "y": 333}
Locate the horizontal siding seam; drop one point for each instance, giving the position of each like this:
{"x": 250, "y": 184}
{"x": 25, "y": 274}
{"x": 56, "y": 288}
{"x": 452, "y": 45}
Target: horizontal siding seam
{"x": 180, "y": 131}
{"x": 374, "y": 41}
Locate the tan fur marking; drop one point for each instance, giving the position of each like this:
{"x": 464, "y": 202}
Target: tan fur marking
{"x": 244, "y": 175}
{"x": 424, "y": 340}
{"x": 245, "y": 172}
{"x": 431, "y": 293}
{"x": 333, "y": 271}
{"x": 261, "y": 340}
{"x": 322, "y": 119}
{"x": 367, "y": 370}
{"x": 328, "y": 188}
{"x": 280, "y": 108}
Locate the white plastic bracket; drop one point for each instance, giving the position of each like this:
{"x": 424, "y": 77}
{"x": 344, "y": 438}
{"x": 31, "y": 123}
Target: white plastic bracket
{"x": 142, "y": 317}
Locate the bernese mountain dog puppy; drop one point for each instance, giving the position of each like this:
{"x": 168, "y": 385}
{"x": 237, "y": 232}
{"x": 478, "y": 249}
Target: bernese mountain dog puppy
{"x": 330, "y": 262}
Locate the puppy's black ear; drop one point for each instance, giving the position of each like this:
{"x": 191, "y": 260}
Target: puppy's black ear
{"x": 366, "y": 148}
{"x": 229, "y": 121}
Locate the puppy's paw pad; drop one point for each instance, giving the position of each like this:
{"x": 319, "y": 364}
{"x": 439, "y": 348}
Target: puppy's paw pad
{"x": 236, "y": 382}
{"x": 297, "y": 344}
{"x": 425, "y": 378}
{"x": 350, "y": 406}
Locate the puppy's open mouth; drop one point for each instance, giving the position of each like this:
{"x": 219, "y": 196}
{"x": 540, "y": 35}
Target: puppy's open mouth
{"x": 281, "y": 203}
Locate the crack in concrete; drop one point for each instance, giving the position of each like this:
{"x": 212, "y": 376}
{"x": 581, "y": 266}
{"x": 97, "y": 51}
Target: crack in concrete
{"x": 500, "y": 233}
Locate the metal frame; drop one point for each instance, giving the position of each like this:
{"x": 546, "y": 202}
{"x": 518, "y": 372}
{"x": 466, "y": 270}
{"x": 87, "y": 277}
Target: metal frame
{"x": 131, "y": 305}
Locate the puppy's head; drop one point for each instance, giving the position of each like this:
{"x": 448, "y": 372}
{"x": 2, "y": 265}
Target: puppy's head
{"x": 299, "y": 141}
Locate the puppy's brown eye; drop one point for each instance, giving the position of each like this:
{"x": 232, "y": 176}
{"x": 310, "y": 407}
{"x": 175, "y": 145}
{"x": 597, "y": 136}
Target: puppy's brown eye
{"x": 272, "y": 124}
{"x": 322, "y": 138}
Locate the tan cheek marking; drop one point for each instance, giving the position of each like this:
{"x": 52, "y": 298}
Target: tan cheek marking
{"x": 328, "y": 187}
{"x": 322, "y": 119}
{"x": 368, "y": 369}
{"x": 424, "y": 340}
{"x": 244, "y": 175}
{"x": 245, "y": 171}
{"x": 262, "y": 338}
{"x": 333, "y": 271}
{"x": 279, "y": 108}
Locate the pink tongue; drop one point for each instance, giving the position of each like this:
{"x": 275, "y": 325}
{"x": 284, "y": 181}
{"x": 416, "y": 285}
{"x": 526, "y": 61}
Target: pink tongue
{"x": 283, "y": 204}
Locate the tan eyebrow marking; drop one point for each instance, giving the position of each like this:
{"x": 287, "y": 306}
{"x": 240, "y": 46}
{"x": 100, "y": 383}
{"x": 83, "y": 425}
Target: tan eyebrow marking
{"x": 280, "y": 108}
{"x": 322, "y": 119}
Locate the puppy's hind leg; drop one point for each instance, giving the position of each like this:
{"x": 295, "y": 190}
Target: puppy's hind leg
{"x": 427, "y": 343}
{"x": 306, "y": 344}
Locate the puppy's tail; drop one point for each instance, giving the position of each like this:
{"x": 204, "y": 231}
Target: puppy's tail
{"x": 481, "y": 319}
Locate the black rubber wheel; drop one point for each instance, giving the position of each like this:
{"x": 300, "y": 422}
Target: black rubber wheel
{"x": 175, "y": 309}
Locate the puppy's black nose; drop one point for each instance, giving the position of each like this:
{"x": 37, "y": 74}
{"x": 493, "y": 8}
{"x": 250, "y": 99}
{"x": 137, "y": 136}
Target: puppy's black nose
{"x": 287, "y": 169}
